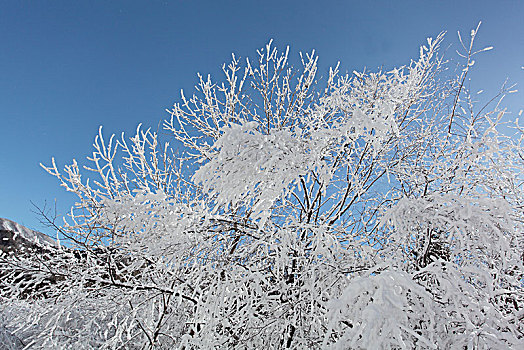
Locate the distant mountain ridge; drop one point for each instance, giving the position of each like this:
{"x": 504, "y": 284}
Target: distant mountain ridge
{"x": 13, "y": 236}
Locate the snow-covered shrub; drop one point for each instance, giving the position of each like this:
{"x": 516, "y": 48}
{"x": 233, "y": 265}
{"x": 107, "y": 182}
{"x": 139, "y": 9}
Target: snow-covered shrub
{"x": 380, "y": 211}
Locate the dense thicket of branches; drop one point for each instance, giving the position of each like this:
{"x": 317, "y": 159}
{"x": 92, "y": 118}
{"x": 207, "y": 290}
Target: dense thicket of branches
{"x": 379, "y": 210}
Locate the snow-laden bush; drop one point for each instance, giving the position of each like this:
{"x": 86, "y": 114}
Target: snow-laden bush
{"x": 381, "y": 211}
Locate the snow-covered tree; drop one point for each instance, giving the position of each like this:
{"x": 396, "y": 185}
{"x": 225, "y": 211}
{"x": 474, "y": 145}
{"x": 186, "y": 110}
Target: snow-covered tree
{"x": 375, "y": 210}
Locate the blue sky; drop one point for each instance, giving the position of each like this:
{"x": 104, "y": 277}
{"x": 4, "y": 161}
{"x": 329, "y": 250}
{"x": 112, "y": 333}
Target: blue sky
{"x": 68, "y": 67}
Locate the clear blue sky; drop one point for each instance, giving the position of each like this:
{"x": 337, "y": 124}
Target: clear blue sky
{"x": 69, "y": 66}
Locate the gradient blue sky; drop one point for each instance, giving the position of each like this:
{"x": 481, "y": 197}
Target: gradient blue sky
{"x": 69, "y": 66}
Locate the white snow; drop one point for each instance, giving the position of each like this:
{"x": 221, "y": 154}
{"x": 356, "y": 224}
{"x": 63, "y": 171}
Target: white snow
{"x": 22, "y": 231}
